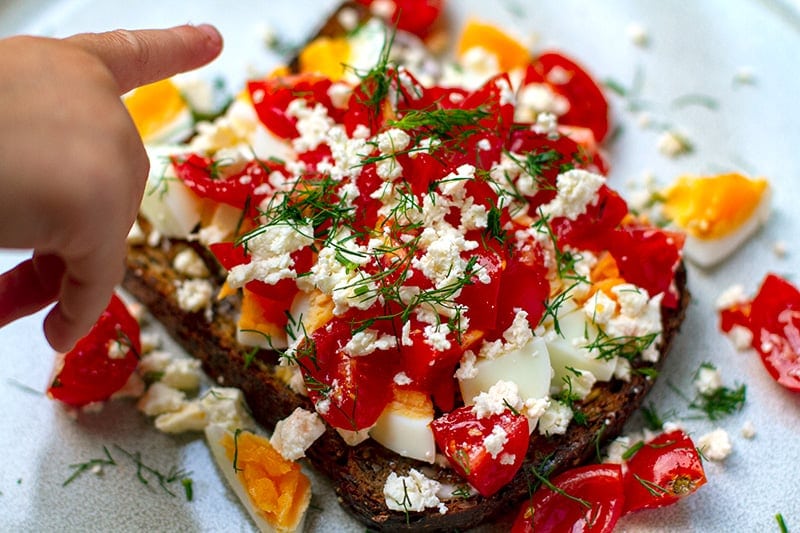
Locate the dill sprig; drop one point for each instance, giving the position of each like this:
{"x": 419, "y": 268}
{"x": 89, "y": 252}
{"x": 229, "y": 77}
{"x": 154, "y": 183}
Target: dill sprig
{"x": 164, "y": 479}
{"x": 440, "y": 123}
{"x": 721, "y": 402}
{"x": 80, "y": 468}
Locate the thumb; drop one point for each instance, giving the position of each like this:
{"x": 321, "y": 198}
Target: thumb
{"x": 139, "y": 57}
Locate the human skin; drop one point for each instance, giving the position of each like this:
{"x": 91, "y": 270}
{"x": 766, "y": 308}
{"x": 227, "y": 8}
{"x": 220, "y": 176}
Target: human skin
{"x": 72, "y": 165}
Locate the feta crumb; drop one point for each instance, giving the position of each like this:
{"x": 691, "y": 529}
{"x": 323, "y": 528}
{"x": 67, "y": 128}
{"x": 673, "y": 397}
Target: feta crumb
{"x": 294, "y": 434}
{"x": 189, "y": 263}
{"x": 508, "y": 459}
{"x": 117, "y": 349}
{"x": 183, "y": 374}
{"x": 744, "y": 76}
{"x": 779, "y": 249}
{"x": 637, "y": 34}
{"x": 414, "y": 492}
{"x": 194, "y": 294}
{"x": 579, "y": 383}
{"x": 497, "y": 399}
{"x": 401, "y": 378}
{"x": 226, "y": 407}
{"x": 159, "y": 399}
{"x": 190, "y": 417}
{"x": 555, "y": 419}
{"x": 616, "y": 449}
{"x": 577, "y": 189}
{"x": 467, "y": 368}
{"x": 716, "y": 445}
{"x": 673, "y": 144}
{"x": 730, "y": 297}
{"x": 392, "y": 141}
{"x": 495, "y": 441}
{"x": 740, "y": 337}
{"x": 708, "y": 380}
{"x": 748, "y": 430}
{"x": 368, "y": 341}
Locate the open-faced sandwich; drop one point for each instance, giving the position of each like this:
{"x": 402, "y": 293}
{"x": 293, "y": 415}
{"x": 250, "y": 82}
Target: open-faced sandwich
{"x": 423, "y": 252}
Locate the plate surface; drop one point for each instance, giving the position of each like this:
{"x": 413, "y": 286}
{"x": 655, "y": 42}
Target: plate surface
{"x": 695, "y": 48}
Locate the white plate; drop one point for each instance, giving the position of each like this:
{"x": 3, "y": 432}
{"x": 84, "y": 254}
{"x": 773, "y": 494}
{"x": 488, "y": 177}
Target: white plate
{"x": 695, "y": 48}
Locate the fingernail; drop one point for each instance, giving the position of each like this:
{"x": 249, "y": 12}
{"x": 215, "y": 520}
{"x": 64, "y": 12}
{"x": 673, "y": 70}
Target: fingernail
{"x": 212, "y": 33}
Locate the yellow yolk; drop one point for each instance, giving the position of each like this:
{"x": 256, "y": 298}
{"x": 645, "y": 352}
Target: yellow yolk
{"x": 276, "y": 487}
{"x": 713, "y": 207}
{"x": 326, "y": 56}
{"x": 158, "y": 109}
{"x": 510, "y": 53}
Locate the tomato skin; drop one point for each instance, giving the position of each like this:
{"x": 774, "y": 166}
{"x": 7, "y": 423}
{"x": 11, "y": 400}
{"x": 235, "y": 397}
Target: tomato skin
{"x": 669, "y": 461}
{"x": 460, "y": 436}
{"x": 588, "y": 106}
{"x": 599, "y": 485}
{"x": 774, "y": 318}
{"x": 414, "y": 16}
{"x": 88, "y": 373}
{"x": 354, "y": 390}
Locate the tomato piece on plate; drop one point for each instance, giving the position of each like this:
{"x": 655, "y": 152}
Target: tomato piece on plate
{"x": 774, "y": 318}
{"x": 101, "y": 362}
{"x": 487, "y": 451}
{"x": 349, "y": 392}
{"x": 588, "y": 498}
{"x": 413, "y": 16}
{"x": 588, "y": 106}
{"x": 663, "y": 471}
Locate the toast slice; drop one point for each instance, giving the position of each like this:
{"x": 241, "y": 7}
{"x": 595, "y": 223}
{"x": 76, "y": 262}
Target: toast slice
{"x": 358, "y": 473}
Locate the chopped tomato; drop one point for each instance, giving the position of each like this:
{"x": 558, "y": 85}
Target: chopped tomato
{"x": 349, "y": 392}
{"x": 774, "y": 318}
{"x": 594, "y": 229}
{"x": 481, "y": 295}
{"x": 663, "y": 471}
{"x": 271, "y": 99}
{"x": 629, "y": 244}
{"x": 487, "y": 451}
{"x": 206, "y": 178}
{"x": 101, "y": 362}
{"x": 588, "y": 498}
{"x": 413, "y": 16}
{"x": 588, "y": 106}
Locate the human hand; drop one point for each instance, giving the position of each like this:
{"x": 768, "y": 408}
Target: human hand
{"x": 72, "y": 165}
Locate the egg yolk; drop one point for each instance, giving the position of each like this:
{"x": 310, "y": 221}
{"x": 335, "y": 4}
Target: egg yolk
{"x": 277, "y": 487}
{"x": 155, "y": 106}
{"x": 325, "y": 56}
{"x": 510, "y": 53}
{"x": 714, "y": 206}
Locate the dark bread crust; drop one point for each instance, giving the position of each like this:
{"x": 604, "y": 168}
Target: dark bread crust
{"x": 358, "y": 473}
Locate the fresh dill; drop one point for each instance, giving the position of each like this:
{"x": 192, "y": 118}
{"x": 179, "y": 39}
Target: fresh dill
{"x": 80, "y": 468}
{"x": 781, "y": 523}
{"x": 720, "y": 402}
{"x": 145, "y": 472}
{"x": 547, "y": 483}
{"x": 655, "y": 490}
{"x": 440, "y": 123}
{"x": 630, "y": 452}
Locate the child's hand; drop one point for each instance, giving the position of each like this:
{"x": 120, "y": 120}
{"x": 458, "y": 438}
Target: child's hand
{"x": 72, "y": 165}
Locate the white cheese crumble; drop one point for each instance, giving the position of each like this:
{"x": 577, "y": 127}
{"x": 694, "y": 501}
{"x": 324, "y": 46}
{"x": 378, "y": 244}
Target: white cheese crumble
{"x": 392, "y": 141}
{"x": 579, "y": 383}
{"x": 741, "y": 337}
{"x": 517, "y": 335}
{"x": 368, "y": 341}
{"x": 708, "y": 380}
{"x": 748, "y": 430}
{"x": 637, "y": 34}
{"x": 673, "y": 144}
{"x": 716, "y": 445}
{"x": 189, "y": 263}
{"x": 160, "y": 398}
{"x": 467, "y": 369}
{"x": 730, "y": 297}
{"x": 555, "y": 419}
{"x": 401, "y": 378}
{"x": 414, "y": 492}
{"x": 495, "y": 441}
{"x": 296, "y": 433}
{"x": 500, "y": 396}
{"x": 577, "y": 189}
{"x": 194, "y": 294}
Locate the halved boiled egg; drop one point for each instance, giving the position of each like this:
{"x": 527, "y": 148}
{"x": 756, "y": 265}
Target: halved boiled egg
{"x": 344, "y": 57}
{"x": 717, "y": 213}
{"x": 404, "y": 426}
{"x": 509, "y": 52}
{"x": 160, "y": 112}
{"x": 274, "y": 491}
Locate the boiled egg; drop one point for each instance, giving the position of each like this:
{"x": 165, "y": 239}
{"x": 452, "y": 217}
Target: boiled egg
{"x": 568, "y": 350}
{"x": 509, "y": 52}
{"x": 343, "y": 58}
{"x": 275, "y": 492}
{"x": 160, "y": 112}
{"x": 404, "y": 426}
{"x": 717, "y": 213}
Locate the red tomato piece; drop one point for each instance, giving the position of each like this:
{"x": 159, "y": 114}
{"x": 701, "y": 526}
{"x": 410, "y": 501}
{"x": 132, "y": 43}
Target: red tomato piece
{"x": 424, "y": 364}
{"x": 593, "y": 229}
{"x": 524, "y": 285}
{"x": 662, "y": 249}
{"x": 588, "y": 106}
{"x": 774, "y": 318}
{"x": 481, "y": 298}
{"x": 271, "y": 99}
{"x": 462, "y": 438}
{"x": 203, "y": 177}
{"x": 589, "y": 498}
{"x": 662, "y": 472}
{"x": 413, "y": 16}
{"x": 349, "y": 392}
{"x": 101, "y": 362}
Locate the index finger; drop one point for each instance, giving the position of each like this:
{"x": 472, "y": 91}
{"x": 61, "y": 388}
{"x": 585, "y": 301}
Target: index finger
{"x": 143, "y": 56}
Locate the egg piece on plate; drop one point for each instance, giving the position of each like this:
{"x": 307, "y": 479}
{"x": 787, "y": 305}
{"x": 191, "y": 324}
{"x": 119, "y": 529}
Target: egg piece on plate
{"x": 717, "y": 213}
{"x": 274, "y": 491}
{"x": 404, "y": 426}
{"x": 345, "y": 57}
{"x": 160, "y": 112}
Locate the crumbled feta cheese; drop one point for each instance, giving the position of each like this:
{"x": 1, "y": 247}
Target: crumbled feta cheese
{"x": 117, "y": 349}
{"x": 182, "y": 374}
{"x": 500, "y": 396}
{"x": 189, "y": 263}
{"x": 225, "y": 406}
{"x": 414, "y": 492}
{"x": 536, "y": 98}
{"x": 508, "y": 459}
{"x": 546, "y": 123}
{"x": 748, "y": 430}
{"x": 401, "y": 378}
{"x": 517, "y": 335}
{"x": 716, "y": 445}
{"x": 294, "y": 434}
{"x": 637, "y": 34}
{"x": 467, "y": 369}
{"x": 313, "y": 124}
{"x": 436, "y": 336}
{"x": 194, "y": 294}
{"x": 392, "y": 141}
{"x": 708, "y": 380}
{"x": 555, "y": 420}
{"x": 495, "y": 441}
{"x": 367, "y": 341}
{"x": 731, "y": 297}
{"x": 577, "y": 189}
{"x": 190, "y": 417}
{"x": 161, "y": 398}
{"x": 405, "y": 337}
{"x": 600, "y": 308}
{"x": 622, "y": 370}
{"x": 617, "y": 448}
{"x": 741, "y": 337}
{"x": 579, "y": 383}
{"x": 673, "y": 144}
{"x": 779, "y": 249}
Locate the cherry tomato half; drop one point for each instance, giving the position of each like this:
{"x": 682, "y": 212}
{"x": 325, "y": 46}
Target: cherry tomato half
{"x": 774, "y": 318}
{"x": 413, "y": 16}
{"x": 663, "y": 471}
{"x": 588, "y": 498}
{"x": 101, "y": 362}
